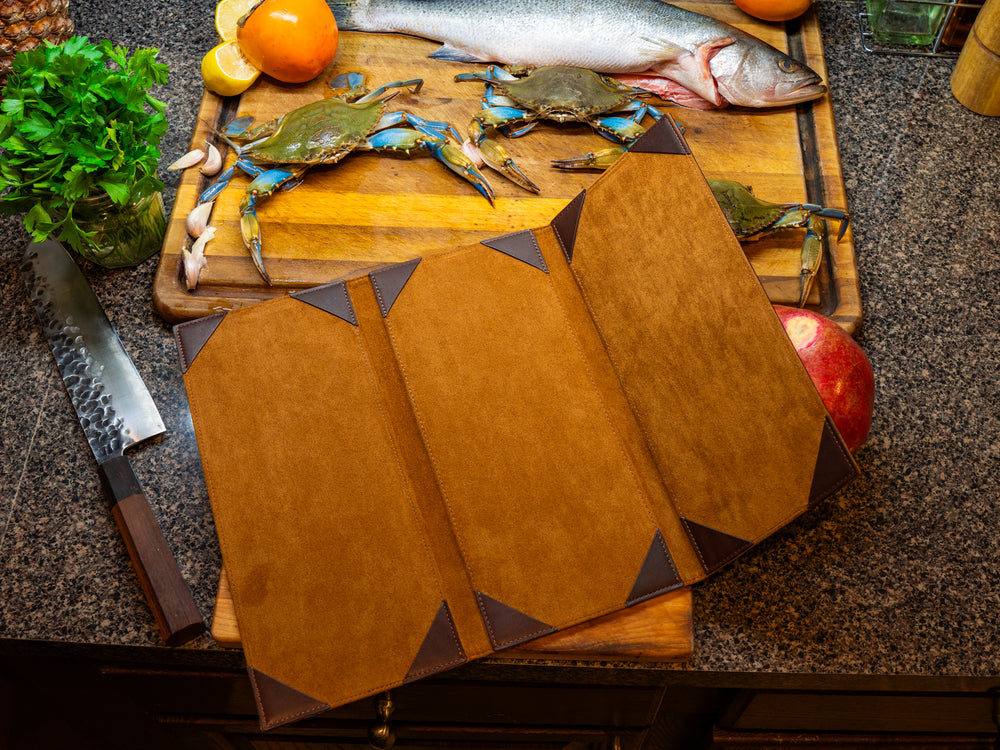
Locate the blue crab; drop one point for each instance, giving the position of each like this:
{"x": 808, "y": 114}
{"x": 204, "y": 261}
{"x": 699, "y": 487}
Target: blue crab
{"x": 518, "y": 97}
{"x": 277, "y": 154}
{"x": 751, "y": 218}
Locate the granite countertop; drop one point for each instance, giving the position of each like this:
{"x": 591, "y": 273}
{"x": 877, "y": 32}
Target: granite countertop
{"x": 898, "y": 574}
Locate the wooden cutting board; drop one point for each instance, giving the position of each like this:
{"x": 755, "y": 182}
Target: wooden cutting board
{"x": 370, "y": 210}
{"x": 656, "y": 630}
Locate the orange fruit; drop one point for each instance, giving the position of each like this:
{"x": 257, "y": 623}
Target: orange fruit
{"x": 290, "y": 40}
{"x": 773, "y": 10}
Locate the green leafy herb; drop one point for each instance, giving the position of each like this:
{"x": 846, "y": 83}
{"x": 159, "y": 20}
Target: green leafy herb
{"x": 77, "y": 119}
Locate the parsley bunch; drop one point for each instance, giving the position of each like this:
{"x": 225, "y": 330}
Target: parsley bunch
{"x": 77, "y": 119}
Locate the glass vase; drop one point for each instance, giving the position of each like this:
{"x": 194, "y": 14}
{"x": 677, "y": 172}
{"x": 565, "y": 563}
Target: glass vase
{"x": 124, "y": 235}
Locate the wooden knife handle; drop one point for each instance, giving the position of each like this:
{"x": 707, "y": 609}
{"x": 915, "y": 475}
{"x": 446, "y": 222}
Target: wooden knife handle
{"x": 166, "y": 590}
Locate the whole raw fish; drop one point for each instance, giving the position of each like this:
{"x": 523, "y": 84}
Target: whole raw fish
{"x": 708, "y": 60}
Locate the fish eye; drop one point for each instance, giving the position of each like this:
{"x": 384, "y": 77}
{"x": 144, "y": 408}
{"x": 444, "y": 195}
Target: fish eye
{"x": 787, "y": 65}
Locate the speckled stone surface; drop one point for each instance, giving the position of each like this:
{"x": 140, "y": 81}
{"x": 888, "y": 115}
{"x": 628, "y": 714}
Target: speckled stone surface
{"x": 899, "y": 574}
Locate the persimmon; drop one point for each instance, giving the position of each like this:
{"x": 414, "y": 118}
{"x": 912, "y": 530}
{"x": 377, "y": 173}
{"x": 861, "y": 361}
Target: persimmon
{"x": 774, "y": 10}
{"x": 290, "y": 40}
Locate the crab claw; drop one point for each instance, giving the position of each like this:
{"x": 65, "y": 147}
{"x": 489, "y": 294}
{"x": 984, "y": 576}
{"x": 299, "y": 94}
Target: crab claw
{"x": 837, "y": 215}
{"x": 812, "y": 256}
{"x": 594, "y": 160}
{"x": 496, "y": 157}
{"x": 250, "y": 229}
{"x": 824, "y": 213}
{"x": 260, "y": 188}
{"x": 455, "y": 159}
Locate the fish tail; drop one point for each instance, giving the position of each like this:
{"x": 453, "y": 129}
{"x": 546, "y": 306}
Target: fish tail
{"x": 345, "y": 11}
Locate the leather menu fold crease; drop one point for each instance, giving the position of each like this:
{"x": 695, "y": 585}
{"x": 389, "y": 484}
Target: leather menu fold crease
{"x": 461, "y": 452}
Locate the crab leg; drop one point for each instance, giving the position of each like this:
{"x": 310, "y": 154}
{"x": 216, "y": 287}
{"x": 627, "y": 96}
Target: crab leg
{"x": 594, "y": 160}
{"x": 812, "y": 246}
{"x": 407, "y": 141}
{"x": 618, "y": 129}
{"x": 490, "y": 151}
{"x": 412, "y": 84}
{"x": 811, "y": 208}
{"x": 260, "y": 189}
{"x": 432, "y": 128}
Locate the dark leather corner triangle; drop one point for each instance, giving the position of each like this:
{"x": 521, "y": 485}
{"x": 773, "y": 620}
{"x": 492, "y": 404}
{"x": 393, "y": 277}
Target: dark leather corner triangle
{"x": 565, "y": 223}
{"x": 834, "y": 465}
{"x": 521, "y": 245}
{"x": 278, "y": 704}
{"x": 190, "y": 337}
{"x": 508, "y": 626}
{"x": 331, "y": 298}
{"x": 663, "y": 137}
{"x": 389, "y": 282}
{"x": 657, "y": 574}
{"x": 714, "y": 548}
{"x": 441, "y": 648}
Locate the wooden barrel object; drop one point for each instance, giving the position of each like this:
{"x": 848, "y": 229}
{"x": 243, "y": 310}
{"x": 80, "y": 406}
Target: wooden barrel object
{"x": 25, "y": 24}
{"x": 975, "y": 81}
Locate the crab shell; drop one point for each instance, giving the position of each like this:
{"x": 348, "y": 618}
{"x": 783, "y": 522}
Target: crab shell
{"x": 563, "y": 93}
{"x": 322, "y": 132}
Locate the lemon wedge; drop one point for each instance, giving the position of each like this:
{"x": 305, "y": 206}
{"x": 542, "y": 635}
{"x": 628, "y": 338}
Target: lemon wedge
{"x": 226, "y": 70}
{"x": 227, "y": 16}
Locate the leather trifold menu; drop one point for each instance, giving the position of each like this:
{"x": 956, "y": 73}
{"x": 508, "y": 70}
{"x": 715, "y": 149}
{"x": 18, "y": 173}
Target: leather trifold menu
{"x": 451, "y": 455}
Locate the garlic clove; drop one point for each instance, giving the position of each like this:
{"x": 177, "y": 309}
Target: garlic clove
{"x": 213, "y": 161}
{"x": 198, "y": 219}
{"x": 194, "y": 259}
{"x": 188, "y": 160}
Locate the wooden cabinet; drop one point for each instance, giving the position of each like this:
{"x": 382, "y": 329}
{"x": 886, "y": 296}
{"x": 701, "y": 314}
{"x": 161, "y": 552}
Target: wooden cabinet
{"x": 208, "y": 707}
{"x": 93, "y": 701}
{"x": 119, "y": 698}
{"x": 903, "y": 720}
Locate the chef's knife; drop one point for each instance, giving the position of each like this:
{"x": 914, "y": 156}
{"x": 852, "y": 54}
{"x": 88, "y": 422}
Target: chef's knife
{"x": 116, "y": 412}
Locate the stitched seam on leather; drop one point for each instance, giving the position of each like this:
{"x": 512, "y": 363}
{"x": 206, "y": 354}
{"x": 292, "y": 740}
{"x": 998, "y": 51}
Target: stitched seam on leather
{"x": 538, "y": 250}
{"x": 725, "y": 560}
{"x": 350, "y": 305}
{"x": 411, "y": 500}
{"x": 604, "y": 340}
{"x": 694, "y": 544}
{"x": 510, "y": 641}
{"x": 581, "y": 196}
{"x": 446, "y": 664}
{"x": 378, "y": 294}
{"x": 185, "y": 362}
{"x": 662, "y": 589}
{"x": 427, "y": 447}
{"x": 531, "y": 235}
{"x": 832, "y": 488}
{"x": 284, "y": 717}
{"x": 604, "y": 408}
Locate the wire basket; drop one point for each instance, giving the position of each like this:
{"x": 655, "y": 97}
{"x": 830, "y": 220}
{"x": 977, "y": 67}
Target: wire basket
{"x": 25, "y": 24}
{"x": 954, "y": 22}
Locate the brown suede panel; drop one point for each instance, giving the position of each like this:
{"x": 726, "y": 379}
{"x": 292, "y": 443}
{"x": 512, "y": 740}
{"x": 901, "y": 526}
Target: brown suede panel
{"x": 730, "y": 415}
{"x": 503, "y": 439}
{"x": 535, "y": 478}
{"x": 603, "y": 371}
{"x": 417, "y": 465}
{"x": 331, "y": 574}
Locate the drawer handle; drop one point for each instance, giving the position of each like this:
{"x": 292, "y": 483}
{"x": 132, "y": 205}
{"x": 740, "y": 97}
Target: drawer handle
{"x": 381, "y": 735}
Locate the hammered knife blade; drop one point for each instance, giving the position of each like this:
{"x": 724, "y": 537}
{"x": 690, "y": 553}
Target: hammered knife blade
{"x": 116, "y": 412}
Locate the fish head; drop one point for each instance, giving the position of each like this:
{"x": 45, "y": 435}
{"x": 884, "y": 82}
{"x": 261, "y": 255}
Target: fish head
{"x": 749, "y": 73}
